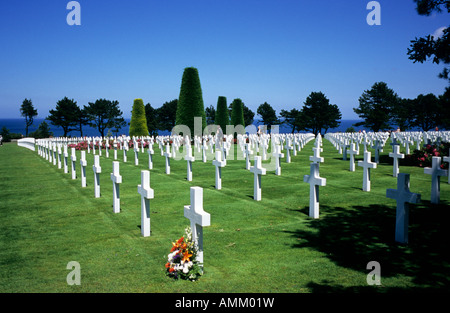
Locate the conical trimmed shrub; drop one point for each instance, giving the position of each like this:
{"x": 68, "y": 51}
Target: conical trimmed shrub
{"x": 237, "y": 113}
{"x": 138, "y": 123}
{"x": 190, "y": 101}
{"x": 222, "y": 116}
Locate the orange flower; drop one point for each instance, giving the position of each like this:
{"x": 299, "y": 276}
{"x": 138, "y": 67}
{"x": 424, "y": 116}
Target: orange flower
{"x": 186, "y": 256}
{"x": 167, "y": 265}
{"x": 171, "y": 270}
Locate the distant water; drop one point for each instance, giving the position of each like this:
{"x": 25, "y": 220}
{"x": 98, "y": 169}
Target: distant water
{"x": 18, "y": 126}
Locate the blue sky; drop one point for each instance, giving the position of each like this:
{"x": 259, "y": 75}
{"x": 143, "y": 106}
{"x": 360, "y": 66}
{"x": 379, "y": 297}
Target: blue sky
{"x": 275, "y": 51}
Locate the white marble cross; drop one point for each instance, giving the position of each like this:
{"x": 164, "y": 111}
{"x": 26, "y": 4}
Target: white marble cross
{"x": 54, "y": 153}
{"x": 136, "y": 153}
{"x": 115, "y": 149}
{"x": 247, "y": 153}
{"x": 352, "y": 151}
{"x": 396, "y": 155}
{"x": 219, "y": 163}
{"x": 436, "y": 172}
{"x": 257, "y": 170}
{"x": 198, "y": 218}
{"x": 125, "y": 149}
{"x": 146, "y": 193}
{"x": 378, "y": 148}
{"x": 189, "y": 159}
{"x": 316, "y": 158}
{"x": 367, "y": 164}
{"x": 73, "y": 157}
{"x": 83, "y": 164}
{"x": 59, "y": 155}
{"x": 277, "y": 155}
{"x": 116, "y": 179}
{"x": 403, "y": 197}
{"x": 107, "y": 148}
{"x": 150, "y": 156}
{"x": 314, "y": 181}
{"x": 168, "y": 155}
{"x": 66, "y": 157}
{"x": 97, "y": 170}
{"x": 288, "y": 147}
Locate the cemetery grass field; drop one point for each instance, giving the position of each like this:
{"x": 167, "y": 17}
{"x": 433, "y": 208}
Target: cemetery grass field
{"x": 271, "y": 246}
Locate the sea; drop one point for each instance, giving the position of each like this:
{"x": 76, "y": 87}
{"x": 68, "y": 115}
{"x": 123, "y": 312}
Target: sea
{"x": 17, "y": 125}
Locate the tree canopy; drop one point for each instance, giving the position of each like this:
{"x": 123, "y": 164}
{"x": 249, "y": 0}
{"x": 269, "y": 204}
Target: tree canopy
{"x": 429, "y": 47}
{"x": 104, "y": 114}
{"x": 317, "y": 114}
{"x": 222, "y": 116}
{"x": 28, "y": 111}
{"x": 268, "y": 114}
{"x": 65, "y": 115}
{"x": 375, "y": 107}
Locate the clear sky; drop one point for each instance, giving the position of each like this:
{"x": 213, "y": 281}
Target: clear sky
{"x": 275, "y": 51}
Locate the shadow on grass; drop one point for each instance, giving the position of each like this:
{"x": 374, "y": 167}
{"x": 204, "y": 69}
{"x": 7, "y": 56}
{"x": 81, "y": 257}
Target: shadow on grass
{"x": 353, "y": 237}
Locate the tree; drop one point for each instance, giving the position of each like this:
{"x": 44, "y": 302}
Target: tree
{"x": 43, "y": 131}
{"x": 222, "y": 116}
{"x": 401, "y": 113}
{"x": 248, "y": 114}
{"x": 167, "y": 115}
{"x": 82, "y": 119}
{"x": 28, "y": 111}
{"x": 210, "y": 113}
{"x": 425, "y": 111}
{"x": 268, "y": 114}
{"x": 138, "y": 123}
{"x": 237, "y": 112}
{"x": 375, "y": 107}
{"x": 151, "y": 115}
{"x": 317, "y": 114}
{"x": 444, "y": 109}
{"x": 190, "y": 101}
{"x": 104, "y": 114}
{"x": 437, "y": 49}
{"x": 292, "y": 118}
{"x": 65, "y": 115}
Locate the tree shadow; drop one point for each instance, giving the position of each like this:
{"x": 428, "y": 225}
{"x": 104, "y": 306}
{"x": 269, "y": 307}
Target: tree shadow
{"x": 353, "y": 237}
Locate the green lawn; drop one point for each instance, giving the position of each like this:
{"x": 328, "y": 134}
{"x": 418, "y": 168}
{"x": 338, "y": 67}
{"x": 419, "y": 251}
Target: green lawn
{"x": 47, "y": 220}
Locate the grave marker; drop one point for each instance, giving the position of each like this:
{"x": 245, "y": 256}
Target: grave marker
{"x": 403, "y": 197}
{"x": 396, "y": 155}
{"x": 367, "y": 164}
{"x": 436, "y": 172}
{"x": 314, "y": 181}
{"x": 116, "y": 179}
{"x": 198, "y": 218}
{"x": 257, "y": 170}
{"x": 146, "y": 193}
{"x": 97, "y": 170}
{"x": 219, "y": 163}
{"x": 83, "y": 164}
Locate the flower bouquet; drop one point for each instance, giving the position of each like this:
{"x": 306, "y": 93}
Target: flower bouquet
{"x": 181, "y": 261}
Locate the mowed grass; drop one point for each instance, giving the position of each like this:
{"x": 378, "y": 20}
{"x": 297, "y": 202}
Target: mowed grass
{"x": 47, "y": 220}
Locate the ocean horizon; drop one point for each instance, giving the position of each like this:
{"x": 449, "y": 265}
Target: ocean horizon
{"x": 17, "y": 125}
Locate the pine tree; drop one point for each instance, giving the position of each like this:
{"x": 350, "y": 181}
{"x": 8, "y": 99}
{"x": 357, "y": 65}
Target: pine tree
{"x": 190, "y": 101}
{"x": 138, "y": 123}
